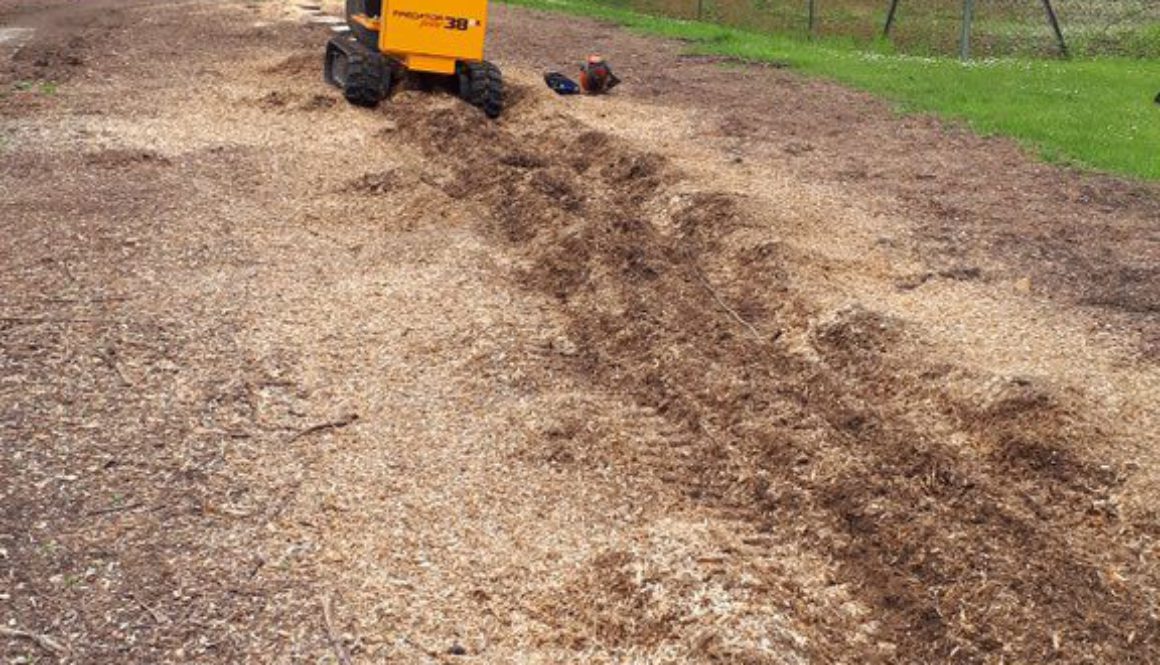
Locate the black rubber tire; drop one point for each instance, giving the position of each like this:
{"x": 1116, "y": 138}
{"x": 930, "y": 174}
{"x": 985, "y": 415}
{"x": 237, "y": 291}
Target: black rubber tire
{"x": 366, "y": 83}
{"x": 481, "y": 85}
{"x": 426, "y": 82}
{"x": 334, "y": 67}
{"x": 363, "y": 34}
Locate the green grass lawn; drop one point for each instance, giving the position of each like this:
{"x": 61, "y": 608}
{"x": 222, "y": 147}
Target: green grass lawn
{"x": 1092, "y": 113}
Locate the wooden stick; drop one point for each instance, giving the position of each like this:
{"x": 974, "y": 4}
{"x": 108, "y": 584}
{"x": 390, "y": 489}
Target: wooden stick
{"x": 109, "y": 356}
{"x": 43, "y": 641}
{"x": 335, "y": 644}
{"x": 114, "y": 509}
{"x": 322, "y": 427}
{"x": 87, "y": 301}
{"x": 32, "y": 320}
{"x": 732, "y": 312}
{"x": 157, "y": 616}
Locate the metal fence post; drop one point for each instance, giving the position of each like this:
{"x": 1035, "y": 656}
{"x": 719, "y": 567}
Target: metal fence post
{"x": 965, "y": 37}
{"x": 700, "y": 10}
{"x": 890, "y": 18}
{"x": 813, "y": 17}
{"x": 1054, "y": 21}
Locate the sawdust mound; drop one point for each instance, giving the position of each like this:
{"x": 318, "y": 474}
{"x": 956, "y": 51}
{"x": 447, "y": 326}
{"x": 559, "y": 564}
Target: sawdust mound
{"x": 283, "y": 100}
{"x": 304, "y": 65}
{"x": 973, "y": 536}
{"x": 59, "y": 62}
{"x": 114, "y": 158}
{"x": 856, "y": 335}
{"x": 377, "y": 183}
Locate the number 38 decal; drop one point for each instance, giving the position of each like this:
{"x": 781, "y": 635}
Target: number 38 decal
{"x": 457, "y": 23}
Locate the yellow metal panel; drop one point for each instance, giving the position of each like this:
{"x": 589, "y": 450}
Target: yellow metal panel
{"x": 430, "y": 32}
{"x": 428, "y": 63}
{"x": 366, "y": 21}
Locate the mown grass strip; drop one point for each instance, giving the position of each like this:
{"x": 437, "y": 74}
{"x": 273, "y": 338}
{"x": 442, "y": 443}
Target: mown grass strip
{"x": 1092, "y": 113}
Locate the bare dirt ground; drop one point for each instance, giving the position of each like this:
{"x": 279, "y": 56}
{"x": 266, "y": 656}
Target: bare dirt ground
{"x": 730, "y": 366}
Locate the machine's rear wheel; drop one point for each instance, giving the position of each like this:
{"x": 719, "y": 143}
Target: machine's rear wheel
{"x": 481, "y": 84}
{"x": 365, "y": 83}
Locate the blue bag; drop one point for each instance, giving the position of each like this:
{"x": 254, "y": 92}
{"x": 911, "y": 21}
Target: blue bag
{"x": 562, "y": 85}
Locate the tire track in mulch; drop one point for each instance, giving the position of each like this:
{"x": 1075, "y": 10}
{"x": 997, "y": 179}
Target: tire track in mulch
{"x": 989, "y": 534}
{"x": 1081, "y": 239}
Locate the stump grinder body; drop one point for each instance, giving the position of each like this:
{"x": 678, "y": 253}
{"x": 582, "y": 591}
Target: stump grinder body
{"x": 430, "y": 38}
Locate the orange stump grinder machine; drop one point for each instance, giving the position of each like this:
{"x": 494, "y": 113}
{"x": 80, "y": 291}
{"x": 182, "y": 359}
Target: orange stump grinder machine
{"x": 431, "y": 38}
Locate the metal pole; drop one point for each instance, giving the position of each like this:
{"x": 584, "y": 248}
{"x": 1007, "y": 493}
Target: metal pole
{"x": 890, "y": 18}
{"x": 812, "y": 17}
{"x": 965, "y": 37}
{"x": 1051, "y": 18}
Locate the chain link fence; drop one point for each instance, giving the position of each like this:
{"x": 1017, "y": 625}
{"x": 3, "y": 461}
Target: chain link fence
{"x": 1129, "y": 28}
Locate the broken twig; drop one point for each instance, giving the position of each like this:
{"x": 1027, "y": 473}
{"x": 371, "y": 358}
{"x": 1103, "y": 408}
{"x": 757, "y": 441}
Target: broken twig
{"x": 37, "y": 320}
{"x": 322, "y": 427}
{"x": 109, "y": 357}
{"x": 157, "y": 616}
{"x": 114, "y": 509}
{"x": 335, "y": 644}
{"x": 43, "y": 641}
{"x": 732, "y": 312}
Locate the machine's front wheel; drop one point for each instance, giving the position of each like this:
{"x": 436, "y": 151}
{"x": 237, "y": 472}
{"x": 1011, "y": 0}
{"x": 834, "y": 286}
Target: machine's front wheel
{"x": 335, "y": 66}
{"x": 481, "y": 84}
{"x": 363, "y": 76}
